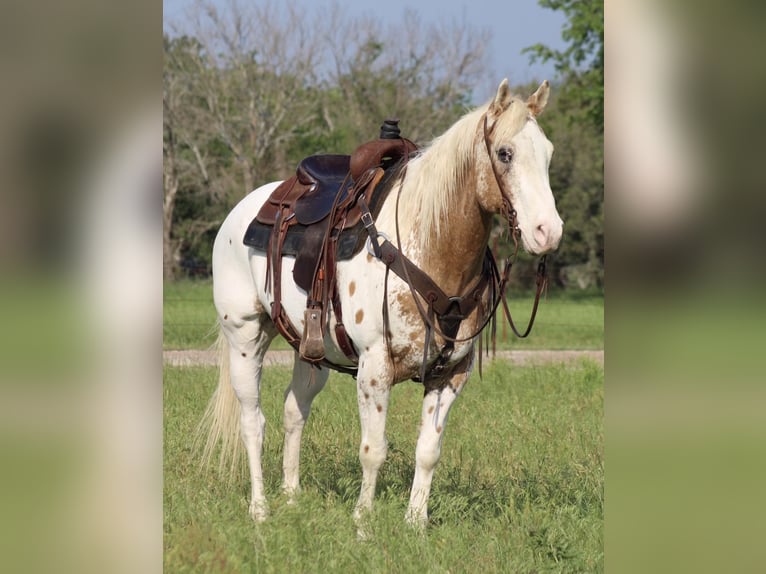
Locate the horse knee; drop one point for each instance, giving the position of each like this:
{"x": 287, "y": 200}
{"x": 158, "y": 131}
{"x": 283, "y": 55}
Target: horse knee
{"x": 253, "y": 423}
{"x": 428, "y": 453}
{"x": 372, "y": 455}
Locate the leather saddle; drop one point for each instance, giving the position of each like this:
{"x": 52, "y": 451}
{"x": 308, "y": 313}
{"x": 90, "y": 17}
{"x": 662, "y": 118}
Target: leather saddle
{"x": 303, "y": 203}
{"x": 316, "y": 216}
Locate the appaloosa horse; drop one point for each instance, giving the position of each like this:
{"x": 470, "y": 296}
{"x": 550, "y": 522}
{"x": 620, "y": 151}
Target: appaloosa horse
{"x": 494, "y": 160}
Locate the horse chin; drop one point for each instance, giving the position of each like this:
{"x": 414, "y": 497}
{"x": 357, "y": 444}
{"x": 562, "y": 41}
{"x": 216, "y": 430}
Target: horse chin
{"x": 533, "y": 247}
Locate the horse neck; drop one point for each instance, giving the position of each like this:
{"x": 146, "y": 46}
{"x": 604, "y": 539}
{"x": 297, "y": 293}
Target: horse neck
{"x": 455, "y": 257}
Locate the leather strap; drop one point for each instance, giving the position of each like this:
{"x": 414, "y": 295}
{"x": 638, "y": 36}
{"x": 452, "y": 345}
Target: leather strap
{"x": 427, "y": 287}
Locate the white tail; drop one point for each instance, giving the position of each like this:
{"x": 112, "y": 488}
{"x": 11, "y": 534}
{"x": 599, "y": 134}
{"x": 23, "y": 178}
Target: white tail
{"x": 220, "y": 423}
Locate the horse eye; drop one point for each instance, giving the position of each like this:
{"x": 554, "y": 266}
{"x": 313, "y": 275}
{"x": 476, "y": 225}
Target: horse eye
{"x": 505, "y": 154}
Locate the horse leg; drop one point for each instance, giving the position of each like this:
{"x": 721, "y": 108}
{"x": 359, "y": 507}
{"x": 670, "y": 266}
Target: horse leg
{"x": 248, "y": 341}
{"x": 373, "y": 387}
{"x": 303, "y": 387}
{"x": 433, "y": 420}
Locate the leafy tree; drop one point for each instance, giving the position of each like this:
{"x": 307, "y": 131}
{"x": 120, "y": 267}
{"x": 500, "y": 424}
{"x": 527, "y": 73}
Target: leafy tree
{"x": 581, "y": 64}
{"x": 575, "y": 124}
{"x": 250, "y": 90}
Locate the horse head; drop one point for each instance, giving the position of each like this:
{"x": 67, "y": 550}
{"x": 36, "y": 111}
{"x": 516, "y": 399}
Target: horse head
{"x": 513, "y": 155}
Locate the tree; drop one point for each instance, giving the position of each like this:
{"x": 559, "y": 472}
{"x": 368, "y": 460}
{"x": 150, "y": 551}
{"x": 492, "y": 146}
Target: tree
{"x": 182, "y": 139}
{"x": 421, "y": 73}
{"x": 576, "y": 128}
{"x": 249, "y": 91}
{"x": 581, "y": 64}
{"x": 234, "y": 94}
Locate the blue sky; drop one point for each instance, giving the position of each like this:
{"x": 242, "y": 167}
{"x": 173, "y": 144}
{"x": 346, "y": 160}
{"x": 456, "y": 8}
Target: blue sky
{"x": 513, "y": 24}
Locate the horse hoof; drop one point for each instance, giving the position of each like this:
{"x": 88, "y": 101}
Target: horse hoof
{"x": 416, "y": 521}
{"x": 363, "y": 533}
{"x": 291, "y": 495}
{"x": 258, "y": 512}
{"x": 361, "y": 519}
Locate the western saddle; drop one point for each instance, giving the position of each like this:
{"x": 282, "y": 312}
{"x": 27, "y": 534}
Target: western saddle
{"x": 321, "y": 215}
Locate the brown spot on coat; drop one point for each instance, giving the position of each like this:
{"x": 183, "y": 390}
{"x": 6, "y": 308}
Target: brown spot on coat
{"x": 359, "y": 316}
{"x": 244, "y": 354}
{"x": 373, "y": 382}
{"x": 369, "y": 258}
{"x": 366, "y": 448}
{"x": 366, "y": 395}
{"x": 379, "y": 407}
{"x": 439, "y": 429}
{"x": 430, "y": 409}
{"x": 225, "y": 317}
{"x": 351, "y": 288}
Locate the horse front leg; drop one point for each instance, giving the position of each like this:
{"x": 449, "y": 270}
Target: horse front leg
{"x": 304, "y": 386}
{"x": 373, "y": 387}
{"x": 436, "y": 406}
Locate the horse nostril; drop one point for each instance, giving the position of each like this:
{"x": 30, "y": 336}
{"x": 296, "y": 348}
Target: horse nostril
{"x": 541, "y": 234}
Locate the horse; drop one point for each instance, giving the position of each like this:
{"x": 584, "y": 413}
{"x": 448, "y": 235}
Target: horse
{"x": 494, "y": 160}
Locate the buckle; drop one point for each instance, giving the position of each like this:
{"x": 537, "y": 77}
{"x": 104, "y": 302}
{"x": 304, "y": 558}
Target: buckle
{"x": 373, "y": 247}
{"x": 367, "y": 220}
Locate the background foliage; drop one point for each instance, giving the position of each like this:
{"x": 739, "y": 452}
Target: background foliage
{"x": 248, "y": 92}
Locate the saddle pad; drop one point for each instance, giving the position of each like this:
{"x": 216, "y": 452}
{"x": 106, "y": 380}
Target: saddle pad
{"x": 350, "y": 241}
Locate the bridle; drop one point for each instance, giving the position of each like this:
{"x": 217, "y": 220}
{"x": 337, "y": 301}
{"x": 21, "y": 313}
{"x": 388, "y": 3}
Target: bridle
{"x": 507, "y": 210}
{"x": 509, "y": 214}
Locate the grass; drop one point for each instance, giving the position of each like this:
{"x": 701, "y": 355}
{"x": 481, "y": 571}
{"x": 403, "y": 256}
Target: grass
{"x": 565, "y": 320}
{"x": 519, "y": 487}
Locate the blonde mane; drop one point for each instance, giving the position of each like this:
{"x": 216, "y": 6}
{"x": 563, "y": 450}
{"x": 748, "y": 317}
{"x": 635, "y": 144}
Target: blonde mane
{"x": 443, "y": 169}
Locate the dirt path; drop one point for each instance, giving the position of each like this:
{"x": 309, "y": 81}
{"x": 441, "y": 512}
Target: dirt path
{"x": 195, "y": 358}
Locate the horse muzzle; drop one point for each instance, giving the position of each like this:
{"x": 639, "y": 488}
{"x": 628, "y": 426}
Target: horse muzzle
{"x": 544, "y": 238}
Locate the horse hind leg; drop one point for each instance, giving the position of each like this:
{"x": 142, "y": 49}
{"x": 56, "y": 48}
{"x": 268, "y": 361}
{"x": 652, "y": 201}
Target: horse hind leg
{"x": 299, "y": 395}
{"x": 248, "y": 341}
{"x": 436, "y": 406}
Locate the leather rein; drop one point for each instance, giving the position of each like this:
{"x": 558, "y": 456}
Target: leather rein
{"x": 444, "y": 314}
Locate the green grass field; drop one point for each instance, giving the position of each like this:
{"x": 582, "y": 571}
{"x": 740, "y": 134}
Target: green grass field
{"x": 519, "y": 487}
{"x": 565, "y": 320}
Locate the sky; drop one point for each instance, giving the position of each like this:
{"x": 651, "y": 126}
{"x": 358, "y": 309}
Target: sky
{"x": 513, "y": 25}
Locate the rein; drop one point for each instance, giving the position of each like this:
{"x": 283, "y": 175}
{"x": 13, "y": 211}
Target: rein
{"x": 445, "y": 321}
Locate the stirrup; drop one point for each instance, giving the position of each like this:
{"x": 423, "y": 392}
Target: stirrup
{"x": 312, "y": 342}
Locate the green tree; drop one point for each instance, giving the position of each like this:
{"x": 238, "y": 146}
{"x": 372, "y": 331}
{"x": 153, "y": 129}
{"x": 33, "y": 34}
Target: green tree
{"x": 576, "y": 127}
{"x": 581, "y": 64}
{"x": 250, "y": 90}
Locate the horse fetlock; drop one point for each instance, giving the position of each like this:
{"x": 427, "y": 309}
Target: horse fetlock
{"x": 417, "y": 518}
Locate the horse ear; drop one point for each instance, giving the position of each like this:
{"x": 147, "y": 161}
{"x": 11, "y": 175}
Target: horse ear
{"x": 502, "y": 99}
{"x": 536, "y": 102}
